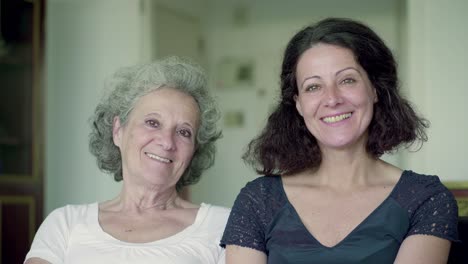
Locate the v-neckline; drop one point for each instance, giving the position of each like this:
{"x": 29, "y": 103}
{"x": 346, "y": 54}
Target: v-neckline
{"x": 354, "y": 230}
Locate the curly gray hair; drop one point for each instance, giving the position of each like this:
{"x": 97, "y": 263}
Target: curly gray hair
{"x": 129, "y": 84}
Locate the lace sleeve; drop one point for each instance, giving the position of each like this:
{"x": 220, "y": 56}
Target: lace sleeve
{"x": 244, "y": 227}
{"x": 436, "y": 215}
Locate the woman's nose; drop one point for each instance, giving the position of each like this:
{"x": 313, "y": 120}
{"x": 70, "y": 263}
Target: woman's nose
{"x": 166, "y": 140}
{"x": 333, "y": 96}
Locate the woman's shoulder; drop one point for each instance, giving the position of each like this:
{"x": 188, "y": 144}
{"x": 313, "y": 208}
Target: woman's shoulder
{"x": 414, "y": 181}
{"x": 415, "y": 189}
{"x": 215, "y": 211}
{"x": 262, "y": 190}
{"x": 431, "y": 207}
{"x": 212, "y": 217}
{"x": 264, "y": 194}
{"x": 73, "y": 209}
{"x": 264, "y": 184}
{"x": 62, "y": 220}
{"x": 73, "y": 212}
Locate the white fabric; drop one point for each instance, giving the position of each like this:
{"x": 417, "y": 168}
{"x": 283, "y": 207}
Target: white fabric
{"x": 72, "y": 234}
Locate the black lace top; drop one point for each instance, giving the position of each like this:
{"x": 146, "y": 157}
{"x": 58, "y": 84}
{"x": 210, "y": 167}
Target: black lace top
{"x": 263, "y": 219}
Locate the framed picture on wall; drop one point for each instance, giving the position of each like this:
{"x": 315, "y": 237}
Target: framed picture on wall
{"x": 460, "y": 191}
{"x": 234, "y": 73}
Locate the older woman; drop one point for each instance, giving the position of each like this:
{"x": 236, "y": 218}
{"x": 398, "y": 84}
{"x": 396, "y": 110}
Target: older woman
{"x": 155, "y": 131}
{"x": 327, "y": 197}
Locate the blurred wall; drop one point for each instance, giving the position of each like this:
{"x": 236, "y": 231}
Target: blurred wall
{"x": 87, "y": 40}
{"x": 256, "y": 33}
{"x": 438, "y": 61}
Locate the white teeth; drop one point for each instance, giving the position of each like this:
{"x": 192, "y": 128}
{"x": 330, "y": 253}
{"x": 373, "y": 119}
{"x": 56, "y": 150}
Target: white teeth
{"x": 155, "y": 157}
{"x": 334, "y": 119}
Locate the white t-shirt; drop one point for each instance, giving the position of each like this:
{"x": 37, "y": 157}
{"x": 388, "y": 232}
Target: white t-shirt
{"x": 72, "y": 234}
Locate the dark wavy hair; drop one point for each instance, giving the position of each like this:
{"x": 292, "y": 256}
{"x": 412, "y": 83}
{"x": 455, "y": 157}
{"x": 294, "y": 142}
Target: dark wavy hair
{"x": 286, "y": 146}
{"x": 129, "y": 84}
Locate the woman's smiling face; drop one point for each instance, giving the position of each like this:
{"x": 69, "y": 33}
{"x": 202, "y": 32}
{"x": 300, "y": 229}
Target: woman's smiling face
{"x": 335, "y": 97}
{"x": 158, "y": 140}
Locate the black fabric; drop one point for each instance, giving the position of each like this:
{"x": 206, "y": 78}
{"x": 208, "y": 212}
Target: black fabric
{"x": 263, "y": 219}
{"x": 459, "y": 251}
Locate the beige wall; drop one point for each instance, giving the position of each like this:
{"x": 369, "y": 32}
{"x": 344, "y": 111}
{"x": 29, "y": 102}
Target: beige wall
{"x": 86, "y": 40}
{"x": 438, "y": 61}
{"x": 261, "y": 37}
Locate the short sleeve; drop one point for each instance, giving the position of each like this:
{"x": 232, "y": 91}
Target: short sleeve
{"x": 245, "y": 226}
{"x": 51, "y": 239}
{"x": 437, "y": 214}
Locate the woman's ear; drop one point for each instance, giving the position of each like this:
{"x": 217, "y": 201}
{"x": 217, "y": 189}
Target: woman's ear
{"x": 116, "y": 131}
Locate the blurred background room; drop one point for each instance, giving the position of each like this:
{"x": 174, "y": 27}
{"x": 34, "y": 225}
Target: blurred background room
{"x": 55, "y": 56}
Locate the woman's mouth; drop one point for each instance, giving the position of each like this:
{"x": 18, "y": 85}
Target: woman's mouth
{"x": 158, "y": 158}
{"x": 337, "y": 118}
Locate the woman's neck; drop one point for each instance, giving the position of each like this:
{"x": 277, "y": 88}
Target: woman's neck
{"x": 345, "y": 169}
{"x": 138, "y": 200}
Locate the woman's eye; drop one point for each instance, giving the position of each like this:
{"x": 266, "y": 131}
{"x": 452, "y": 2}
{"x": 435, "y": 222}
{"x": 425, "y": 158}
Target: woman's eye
{"x": 348, "y": 81}
{"x": 152, "y": 123}
{"x": 312, "y": 87}
{"x": 185, "y": 133}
